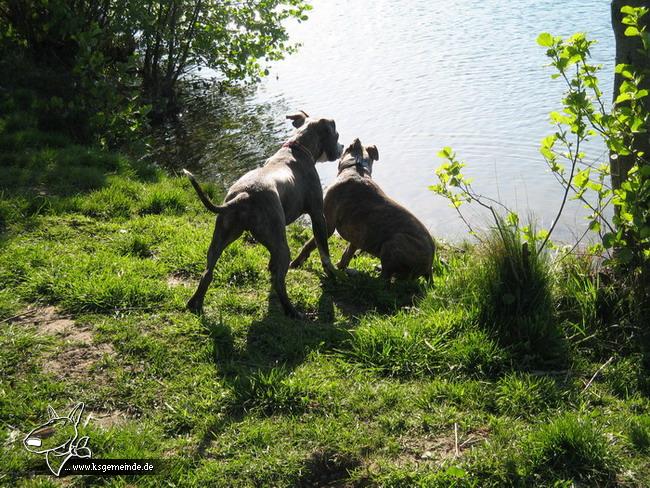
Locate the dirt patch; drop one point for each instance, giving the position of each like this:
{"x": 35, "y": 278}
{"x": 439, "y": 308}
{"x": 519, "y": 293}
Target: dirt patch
{"x": 328, "y": 468}
{"x": 76, "y": 360}
{"x": 47, "y": 320}
{"x": 107, "y": 420}
{"x": 178, "y": 280}
{"x": 440, "y": 449}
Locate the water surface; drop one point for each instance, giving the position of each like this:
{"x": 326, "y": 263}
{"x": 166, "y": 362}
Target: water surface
{"x": 412, "y": 76}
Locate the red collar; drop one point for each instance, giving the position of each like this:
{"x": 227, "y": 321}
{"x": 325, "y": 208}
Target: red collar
{"x": 296, "y": 145}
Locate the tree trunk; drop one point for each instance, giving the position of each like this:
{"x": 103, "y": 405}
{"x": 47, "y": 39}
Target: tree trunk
{"x": 627, "y": 51}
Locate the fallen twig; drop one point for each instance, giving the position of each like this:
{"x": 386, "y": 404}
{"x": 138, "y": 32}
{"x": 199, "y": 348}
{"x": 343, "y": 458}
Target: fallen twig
{"x": 456, "y": 439}
{"x": 596, "y": 374}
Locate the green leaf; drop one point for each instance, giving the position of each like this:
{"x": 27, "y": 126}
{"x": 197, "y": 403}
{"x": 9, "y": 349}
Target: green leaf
{"x": 627, "y": 9}
{"x": 624, "y": 255}
{"x": 636, "y": 124}
{"x": 625, "y": 70}
{"x": 623, "y": 97}
{"x": 631, "y": 31}
{"x": 545, "y": 39}
{"x": 445, "y": 152}
{"x": 593, "y": 185}
{"x": 581, "y": 178}
{"x": 456, "y": 472}
{"x": 609, "y": 240}
{"x": 512, "y": 219}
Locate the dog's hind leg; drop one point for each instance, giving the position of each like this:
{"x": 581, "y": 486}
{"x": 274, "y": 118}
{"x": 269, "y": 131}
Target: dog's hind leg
{"x": 226, "y": 230}
{"x": 394, "y": 258}
{"x": 279, "y": 265}
{"x": 304, "y": 253}
{"x": 269, "y": 230}
{"x": 348, "y": 254}
{"x": 321, "y": 234}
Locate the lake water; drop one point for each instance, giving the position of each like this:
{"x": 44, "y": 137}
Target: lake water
{"x": 414, "y": 76}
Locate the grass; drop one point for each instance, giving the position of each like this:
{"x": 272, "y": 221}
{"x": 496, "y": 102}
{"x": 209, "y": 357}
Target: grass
{"x": 478, "y": 380}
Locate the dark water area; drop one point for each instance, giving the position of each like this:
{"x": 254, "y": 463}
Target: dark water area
{"x": 220, "y": 134}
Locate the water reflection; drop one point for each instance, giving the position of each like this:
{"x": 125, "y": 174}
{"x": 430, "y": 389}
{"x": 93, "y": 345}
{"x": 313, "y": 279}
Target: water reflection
{"x": 220, "y": 134}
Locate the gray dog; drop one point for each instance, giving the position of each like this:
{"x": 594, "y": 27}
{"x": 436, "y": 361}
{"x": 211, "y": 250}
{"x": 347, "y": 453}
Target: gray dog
{"x": 369, "y": 220}
{"x": 267, "y": 199}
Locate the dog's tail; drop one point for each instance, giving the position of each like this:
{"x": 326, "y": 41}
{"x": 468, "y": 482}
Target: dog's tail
{"x": 206, "y": 200}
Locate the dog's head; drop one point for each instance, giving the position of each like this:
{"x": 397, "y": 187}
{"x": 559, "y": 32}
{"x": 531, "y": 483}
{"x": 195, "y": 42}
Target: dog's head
{"x": 56, "y": 434}
{"x": 356, "y": 154}
{"x": 322, "y": 129}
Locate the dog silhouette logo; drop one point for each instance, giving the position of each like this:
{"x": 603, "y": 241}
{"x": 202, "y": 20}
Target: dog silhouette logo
{"x": 58, "y": 439}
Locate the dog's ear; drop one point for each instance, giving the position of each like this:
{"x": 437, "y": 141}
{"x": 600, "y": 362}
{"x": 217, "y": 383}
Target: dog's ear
{"x": 75, "y": 413}
{"x": 51, "y": 412}
{"x": 298, "y": 119}
{"x": 356, "y": 145}
{"x": 373, "y": 152}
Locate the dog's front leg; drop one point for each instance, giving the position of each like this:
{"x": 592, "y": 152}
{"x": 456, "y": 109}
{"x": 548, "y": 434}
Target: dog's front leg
{"x": 320, "y": 236}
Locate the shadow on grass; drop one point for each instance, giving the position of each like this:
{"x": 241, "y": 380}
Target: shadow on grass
{"x": 276, "y": 345}
{"x": 360, "y": 293}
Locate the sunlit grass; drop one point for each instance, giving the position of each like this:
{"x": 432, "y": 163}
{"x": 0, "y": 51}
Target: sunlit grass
{"x": 402, "y": 384}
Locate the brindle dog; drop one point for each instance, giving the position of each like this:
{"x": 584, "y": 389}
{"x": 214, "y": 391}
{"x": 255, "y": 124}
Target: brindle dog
{"x": 370, "y": 220}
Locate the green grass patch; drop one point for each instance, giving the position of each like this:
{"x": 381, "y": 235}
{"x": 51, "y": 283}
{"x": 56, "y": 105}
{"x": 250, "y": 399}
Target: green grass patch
{"x": 572, "y": 448}
{"x": 476, "y": 380}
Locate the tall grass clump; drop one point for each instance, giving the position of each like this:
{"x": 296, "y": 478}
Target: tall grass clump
{"x": 513, "y": 286}
{"x": 524, "y": 395}
{"x": 578, "y": 290}
{"x": 572, "y": 448}
{"x": 272, "y": 392}
{"x": 639, "y": 433}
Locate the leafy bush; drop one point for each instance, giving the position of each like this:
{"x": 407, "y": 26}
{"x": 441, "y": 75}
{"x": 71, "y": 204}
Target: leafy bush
{"x": 100, "y": 68}
{"x": 623, "y": 130}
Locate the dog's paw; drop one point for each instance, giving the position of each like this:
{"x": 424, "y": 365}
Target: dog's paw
{"x": 330, "y": 270}
{"x": 196, "y": 309}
